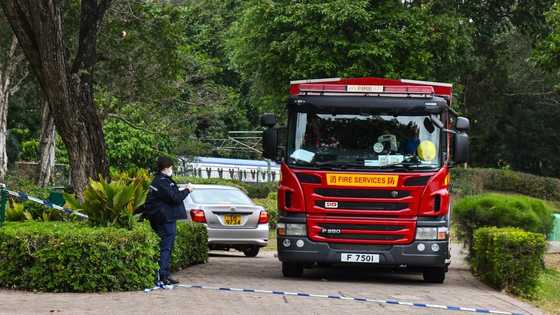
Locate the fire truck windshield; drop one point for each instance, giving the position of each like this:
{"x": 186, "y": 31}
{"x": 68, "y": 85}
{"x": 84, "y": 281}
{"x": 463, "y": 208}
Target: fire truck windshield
{"x": 363, "y": 141}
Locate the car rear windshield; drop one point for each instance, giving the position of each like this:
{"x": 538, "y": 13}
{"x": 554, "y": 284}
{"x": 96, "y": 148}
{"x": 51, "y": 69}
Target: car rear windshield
{"x": 215, "y": 196}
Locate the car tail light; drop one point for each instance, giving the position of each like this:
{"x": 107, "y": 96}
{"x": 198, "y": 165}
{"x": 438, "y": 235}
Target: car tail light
{"x": 198, "y": 216}
{"x": 263, "y": 217}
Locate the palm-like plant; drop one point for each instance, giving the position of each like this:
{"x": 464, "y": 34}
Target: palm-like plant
{"x": 111, "y": 203}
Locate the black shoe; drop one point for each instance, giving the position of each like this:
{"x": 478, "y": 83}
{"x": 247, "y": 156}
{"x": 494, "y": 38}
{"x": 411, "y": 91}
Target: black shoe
{"x": 169, "y": 281}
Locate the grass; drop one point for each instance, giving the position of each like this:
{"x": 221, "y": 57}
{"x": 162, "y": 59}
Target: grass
{"x": 547, "y": 297}
{"x": 271, "y": 246}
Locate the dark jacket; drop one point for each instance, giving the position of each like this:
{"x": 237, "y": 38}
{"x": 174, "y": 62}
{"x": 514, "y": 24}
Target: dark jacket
{"x": 164, "y": 202}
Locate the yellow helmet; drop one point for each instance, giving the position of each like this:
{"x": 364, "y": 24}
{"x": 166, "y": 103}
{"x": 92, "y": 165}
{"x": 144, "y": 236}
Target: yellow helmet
{"x": 426, "y": 150}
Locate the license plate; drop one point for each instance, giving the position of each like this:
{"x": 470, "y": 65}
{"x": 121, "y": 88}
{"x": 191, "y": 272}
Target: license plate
{"x": 360, "y": 258}
{"x": 232, "y": 219}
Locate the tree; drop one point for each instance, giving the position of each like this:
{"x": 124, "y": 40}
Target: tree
{"x": 509, "y": 100}
{"x": 274, "y": 42}
{"x": 47, "y": 145}
{"x": 67, "y": 84}
{"x": 11, "y": 77}
{"x": 174, "y": 79}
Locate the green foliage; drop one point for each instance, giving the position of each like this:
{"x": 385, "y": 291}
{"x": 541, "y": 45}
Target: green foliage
{"x": 15, "y": 212}
{"x": 110, "y": 203}
{"x": 473, "y": 181}
{"x": 30, "y": 150}
{"x": 321, "y": 39}
{"x": 253, "y": 190}
{"x": 135, "y": 177}
{"x": 191, "y": 245}
{"x": 500, "y": 210}
{"x": 546, "y": 295}
{"x": 508, "y": 258}
{"x": 270, "y": 204}
{"x": 131, "y": 148}
{"x": 70, "y": 257}
{"x": 548, "y": 48}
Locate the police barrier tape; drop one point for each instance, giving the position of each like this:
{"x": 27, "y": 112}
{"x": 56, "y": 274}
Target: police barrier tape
{"x": 24, "y": 197}
{"x": 337, "y": 297}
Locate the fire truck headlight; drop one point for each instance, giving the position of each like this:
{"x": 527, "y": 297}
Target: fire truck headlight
{"x": 296, "y": 229}
{"x": 290, "y": 229}
{"x": 431, "y": 233}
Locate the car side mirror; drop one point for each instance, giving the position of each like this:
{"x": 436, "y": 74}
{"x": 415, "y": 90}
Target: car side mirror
{"x": 461, "y": 151}
{"x": 462, "y": 124}
{"x": 268, "y": 120}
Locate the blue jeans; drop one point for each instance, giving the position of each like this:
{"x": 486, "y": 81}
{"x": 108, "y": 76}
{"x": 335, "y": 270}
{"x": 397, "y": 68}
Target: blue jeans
{"x": 166, "y": 233}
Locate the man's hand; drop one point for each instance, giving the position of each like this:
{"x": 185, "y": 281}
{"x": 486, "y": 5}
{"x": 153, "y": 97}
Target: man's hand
{"x": 189, "y": 187}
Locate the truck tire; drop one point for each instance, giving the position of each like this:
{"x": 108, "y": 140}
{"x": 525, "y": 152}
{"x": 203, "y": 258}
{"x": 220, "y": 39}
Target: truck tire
{"x": 251, "y": 251}
{"x": 434, "y": 275}
{"x": 292, "y": 270}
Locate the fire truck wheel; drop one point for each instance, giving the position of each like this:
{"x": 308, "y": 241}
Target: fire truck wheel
{"x": 292, "y": 270}
{"x": 434, "y": 275}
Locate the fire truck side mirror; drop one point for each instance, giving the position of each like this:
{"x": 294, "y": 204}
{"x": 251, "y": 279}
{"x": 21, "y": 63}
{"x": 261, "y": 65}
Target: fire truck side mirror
{"x": 463, "y": 124}
{"x": 461, "y": 152}
{"x": 270, "y": 144}
{"x": 268, "y": 120}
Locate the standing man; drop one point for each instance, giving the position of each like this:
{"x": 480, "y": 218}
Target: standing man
{"x": 164, "y": 206}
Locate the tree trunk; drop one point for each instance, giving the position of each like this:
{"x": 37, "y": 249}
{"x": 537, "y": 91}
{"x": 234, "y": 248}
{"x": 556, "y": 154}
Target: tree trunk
{"x": 3, "y": 133}
{"x": 38, "y": 25}
{"x": 7, "y": 88}
{"x": 47, "y": 145}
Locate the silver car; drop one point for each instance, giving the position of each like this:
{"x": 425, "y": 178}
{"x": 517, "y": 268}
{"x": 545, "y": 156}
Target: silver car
{"x": 230, "y": 216}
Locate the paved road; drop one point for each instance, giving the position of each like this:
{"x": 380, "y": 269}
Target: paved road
{"x": 263, "y": 272}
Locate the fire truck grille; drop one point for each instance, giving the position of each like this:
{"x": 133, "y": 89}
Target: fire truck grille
{"x": 361, "y": 193}
{"x": 363, "y": 205}
{"x": 382, "y": 232}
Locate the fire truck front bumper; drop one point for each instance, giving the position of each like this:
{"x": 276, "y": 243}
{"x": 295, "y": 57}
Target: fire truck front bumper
{"x": 418, "y": 254}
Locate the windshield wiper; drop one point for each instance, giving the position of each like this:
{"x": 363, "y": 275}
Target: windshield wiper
{"x": 407, "y": 165}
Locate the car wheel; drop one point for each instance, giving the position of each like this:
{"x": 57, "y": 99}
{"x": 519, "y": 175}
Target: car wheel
{"x": 434, "y": 275}
{"x": 252, "y": 251}
{"x": 292, "y": 270}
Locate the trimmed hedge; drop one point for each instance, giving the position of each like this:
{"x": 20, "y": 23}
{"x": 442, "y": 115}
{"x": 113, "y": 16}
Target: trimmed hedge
{"x": 191, "y": 245}
{"x": 74, "y": 257}
{"x": 508, "y": 258}
{"x": 501, "y": 210}
{"x": 472, "y": 181}
{"x": 71, "y": 257}
{"x": 254, "y": 190}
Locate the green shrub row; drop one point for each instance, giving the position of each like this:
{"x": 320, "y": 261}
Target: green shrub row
{"x": 71, "y": 257}
{"x": 472, "y": 181}
{"x": 191, "y": 245}
{"x": 501, "y": 210}
{"x": 74, "y": 257}
{"x": 253, "y": 190}
{"x": 508, "y": 258}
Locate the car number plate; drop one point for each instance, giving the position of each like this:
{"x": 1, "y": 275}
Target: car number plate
{"x": 232, "y": 219}
{"x": 360, "y": 258}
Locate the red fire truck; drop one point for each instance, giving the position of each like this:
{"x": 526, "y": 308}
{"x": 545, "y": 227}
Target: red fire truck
{"x": 365, "y": 174}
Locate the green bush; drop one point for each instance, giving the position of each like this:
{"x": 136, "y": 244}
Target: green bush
{"x": 253, "y": 190}
{"x": 15, "y": 212}
{"x": 271, "y": 206}
{"x": 500, "y": 210}
{"x": 472, "y": 181}
{"x": 110, "y": 203}
{"x": 508, "y": 258}
{"x": 72, "y": 257}
{"x": 191, "y": 245}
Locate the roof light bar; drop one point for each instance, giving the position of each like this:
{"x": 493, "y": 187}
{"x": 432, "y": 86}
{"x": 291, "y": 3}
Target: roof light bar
{"x": 375, "y": 89}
